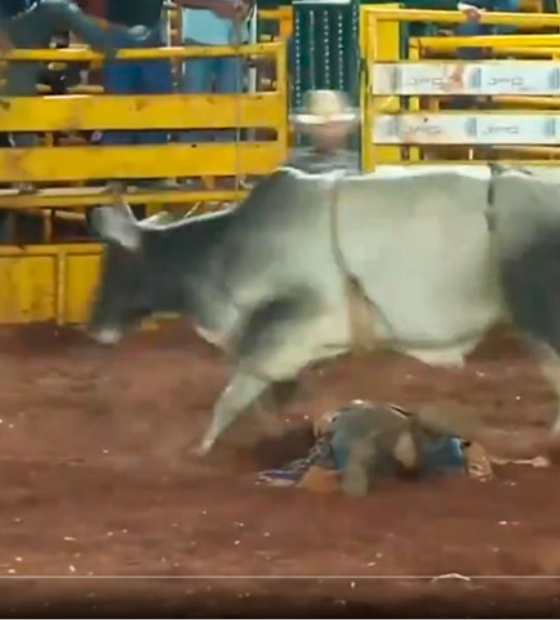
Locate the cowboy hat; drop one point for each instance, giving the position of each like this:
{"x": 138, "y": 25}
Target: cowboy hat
{"x": 324, "y": 107}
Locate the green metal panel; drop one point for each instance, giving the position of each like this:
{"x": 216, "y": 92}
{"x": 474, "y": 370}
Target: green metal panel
{"x": 325, "y": 52}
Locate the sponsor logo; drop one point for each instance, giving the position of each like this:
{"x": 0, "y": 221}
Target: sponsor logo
{"x": 509, "y": 130}
{"x": 517, "y": 82}
{"x": 433, "y": 82}
{"x": 430, "y": 130}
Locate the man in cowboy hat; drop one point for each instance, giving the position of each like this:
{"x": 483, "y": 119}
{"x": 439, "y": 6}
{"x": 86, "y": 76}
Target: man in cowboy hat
{"x": 328, "y": 120}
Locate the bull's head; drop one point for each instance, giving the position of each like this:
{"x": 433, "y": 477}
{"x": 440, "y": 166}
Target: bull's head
{"x": 122, "y": 299}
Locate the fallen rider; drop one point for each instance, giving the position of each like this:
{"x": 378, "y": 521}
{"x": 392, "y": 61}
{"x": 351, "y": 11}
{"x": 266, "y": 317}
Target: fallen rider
{"x": 359, "y": 443}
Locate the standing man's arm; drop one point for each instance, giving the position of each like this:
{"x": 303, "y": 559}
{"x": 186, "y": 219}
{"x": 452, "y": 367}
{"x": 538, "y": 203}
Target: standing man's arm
{"x": 222, "y": 8}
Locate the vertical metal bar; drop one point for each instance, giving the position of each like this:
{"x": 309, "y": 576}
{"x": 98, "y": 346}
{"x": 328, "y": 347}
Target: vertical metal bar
{"x": 297, "y": 60}
{"x": 312, "y": 50}
{"x": 61, "y": 287}
{"x": 355, "y": 51}
{"x": 414, "y": 153}
{"x": 252, "y": 77}
{"x": 281, "y": 82}
{"x": 327, "y": 49}
{"x": 371, "y": 43}
{"x": 366, "y": 93}
{"x": 339, "y": 50}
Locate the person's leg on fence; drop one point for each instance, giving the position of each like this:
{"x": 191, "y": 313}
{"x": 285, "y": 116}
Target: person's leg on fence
{"x": 469, "y": 29}
{"x": 229, "y": 81}
{"x": 155, "y": 78}
{"x": 64, "y": 15}
{"x": 37, "y": 25}
{"x": 119, "y": 78}
{"x": 197, "y": 78}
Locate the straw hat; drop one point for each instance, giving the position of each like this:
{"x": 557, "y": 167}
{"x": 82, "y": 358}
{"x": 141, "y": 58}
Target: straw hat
{"x": 324, "y": 107}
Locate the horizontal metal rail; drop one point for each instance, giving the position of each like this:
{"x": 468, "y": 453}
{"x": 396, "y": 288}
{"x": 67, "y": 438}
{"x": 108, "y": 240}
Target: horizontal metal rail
{"x": 76, "y": 54}
{"x": 80, "y": 197}
{"x": 518, "y": 102}
{"x": 76, "y": 163}
{"x": 135, "y": 112}
{"x": 456, "y": 17}
{"x": 489, "y": 41}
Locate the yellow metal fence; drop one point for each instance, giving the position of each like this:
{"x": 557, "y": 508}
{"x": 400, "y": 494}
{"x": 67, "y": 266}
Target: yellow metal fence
{"x": 54, "y": 281}
{"x": 428, "y": 108}
{"x": 404, "y": 121}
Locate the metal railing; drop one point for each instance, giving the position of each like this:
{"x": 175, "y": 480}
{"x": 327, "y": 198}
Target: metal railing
{"x": 53, "y": 279}
{"x": 496, "y": 108}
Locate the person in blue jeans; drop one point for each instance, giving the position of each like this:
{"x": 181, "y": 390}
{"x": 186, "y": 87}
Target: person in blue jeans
{"x": 472, "y": 27}
{"x": 218, "y": 22}
{"x": 32, "y": 24}
{"x": 143, "y": 77}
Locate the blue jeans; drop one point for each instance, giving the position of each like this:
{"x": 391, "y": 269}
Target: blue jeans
{"x": 225, "y": 74}
{"x": 474, "y": 29}
{"x": 147, "y": 77}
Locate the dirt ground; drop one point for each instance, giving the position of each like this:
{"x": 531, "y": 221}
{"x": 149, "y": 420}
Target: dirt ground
{"x": 97, "y": 480}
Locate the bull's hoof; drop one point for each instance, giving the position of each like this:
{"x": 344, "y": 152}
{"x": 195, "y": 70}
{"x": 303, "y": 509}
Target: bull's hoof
{"x": 202, "y": 449}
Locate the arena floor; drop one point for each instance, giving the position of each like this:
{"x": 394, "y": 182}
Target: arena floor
{"x": 97, "y": 479}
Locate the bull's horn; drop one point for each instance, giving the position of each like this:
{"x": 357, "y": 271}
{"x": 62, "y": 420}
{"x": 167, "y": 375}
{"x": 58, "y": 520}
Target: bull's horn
{"x": 117, "y": 226}
{"x": 124, "y": 208}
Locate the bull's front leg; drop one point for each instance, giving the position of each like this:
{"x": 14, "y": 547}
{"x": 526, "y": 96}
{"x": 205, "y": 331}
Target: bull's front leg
{"x": 275, "y": 344}
{"x": 242, "y": 391}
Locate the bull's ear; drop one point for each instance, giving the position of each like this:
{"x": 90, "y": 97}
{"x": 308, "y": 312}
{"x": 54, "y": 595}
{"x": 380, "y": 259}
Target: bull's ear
{"x": 117, "y": 225}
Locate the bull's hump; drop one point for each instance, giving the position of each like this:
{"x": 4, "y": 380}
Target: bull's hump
{"x": 482, "y": 173}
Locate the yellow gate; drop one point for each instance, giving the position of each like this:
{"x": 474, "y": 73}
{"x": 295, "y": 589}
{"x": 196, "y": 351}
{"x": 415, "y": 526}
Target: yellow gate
{"x": 427, "y": 107}
{"x": 53, "y": 279}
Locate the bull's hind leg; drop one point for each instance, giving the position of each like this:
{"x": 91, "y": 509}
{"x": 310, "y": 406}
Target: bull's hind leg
{"x": 549, "y": 362}
{"x": 530, "y": 282}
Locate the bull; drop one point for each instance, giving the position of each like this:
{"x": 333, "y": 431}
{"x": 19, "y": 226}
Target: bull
{"x": 310, "y": 266}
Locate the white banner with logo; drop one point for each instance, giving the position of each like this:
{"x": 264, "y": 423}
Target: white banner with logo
{"x": 466, "y": 129}
{"x": 457, "y": 78}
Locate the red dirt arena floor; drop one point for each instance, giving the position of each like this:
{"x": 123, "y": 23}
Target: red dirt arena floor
{"x": 97, "y": 479}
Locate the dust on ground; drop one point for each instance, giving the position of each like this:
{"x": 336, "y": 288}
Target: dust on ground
{"x": 98, "y": 479}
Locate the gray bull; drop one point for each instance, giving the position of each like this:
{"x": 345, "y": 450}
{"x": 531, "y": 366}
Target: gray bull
{"x": 311, "y": 265}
